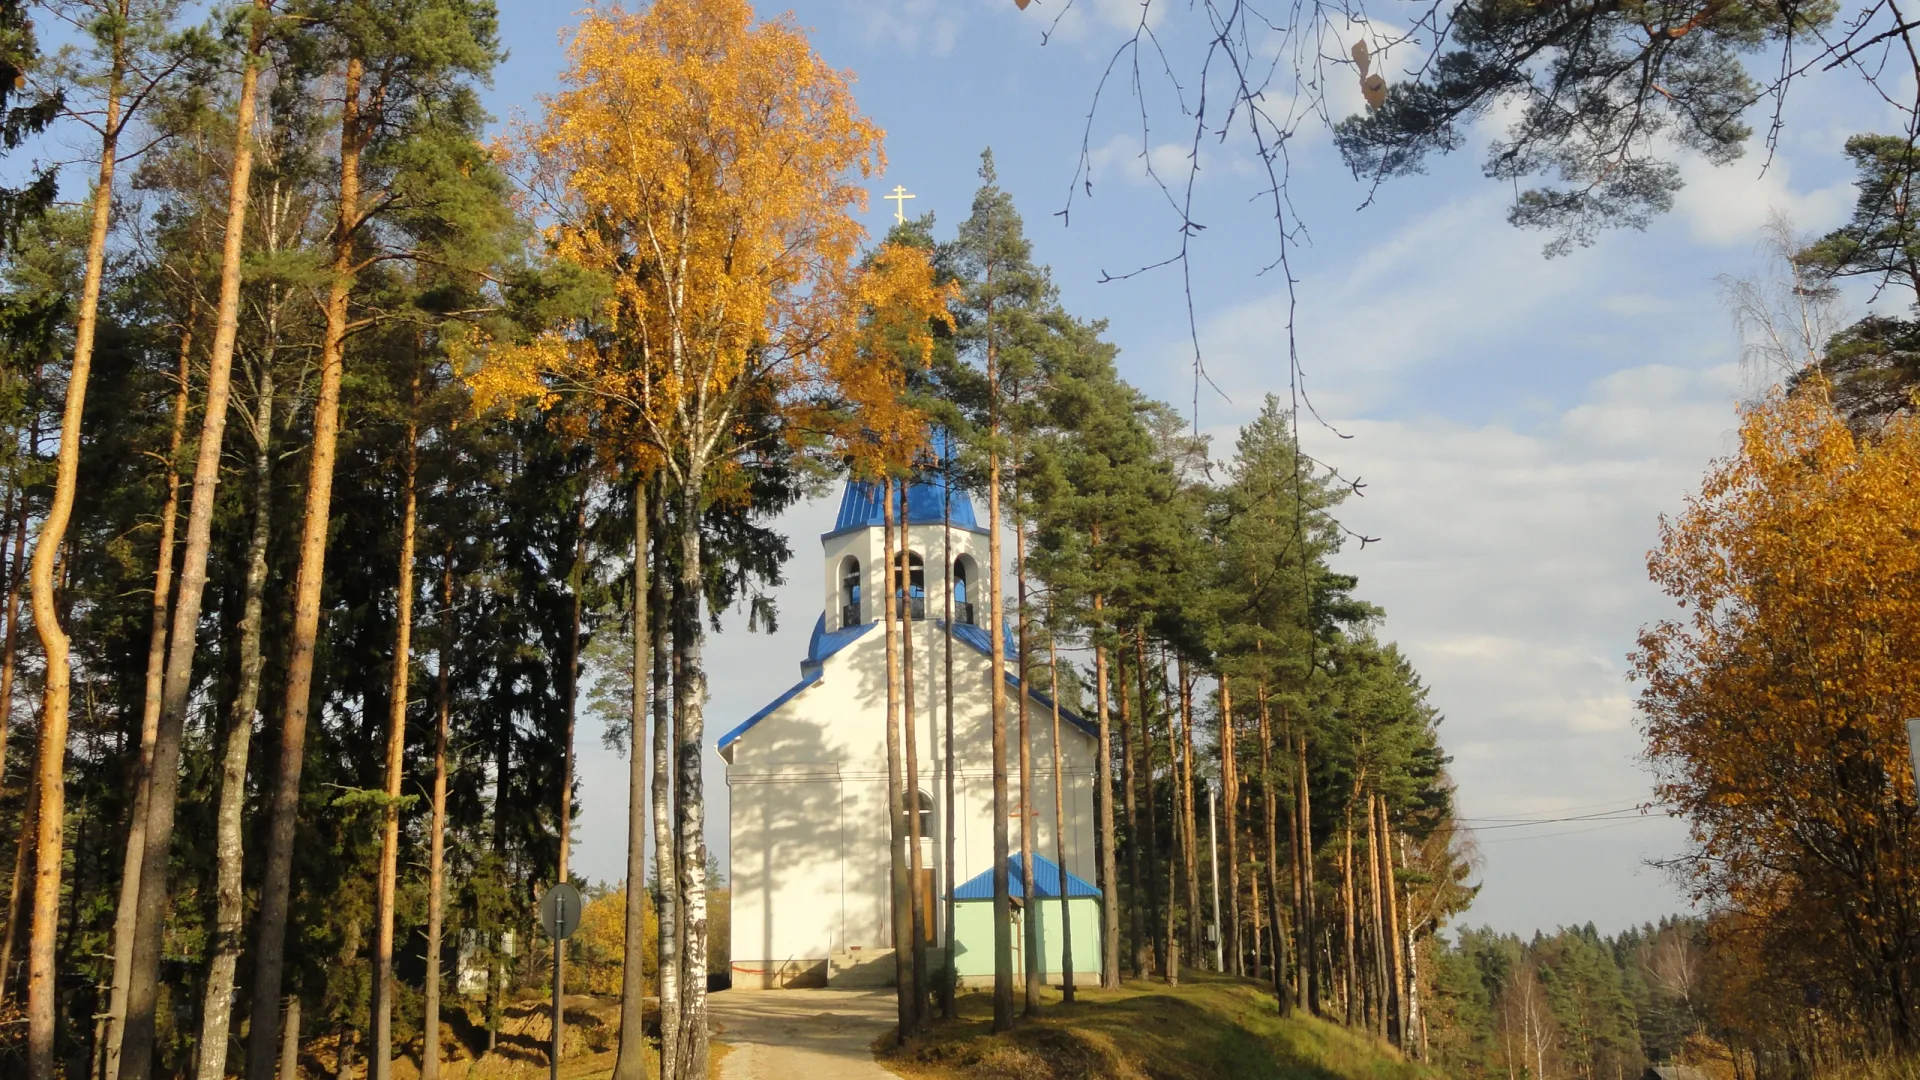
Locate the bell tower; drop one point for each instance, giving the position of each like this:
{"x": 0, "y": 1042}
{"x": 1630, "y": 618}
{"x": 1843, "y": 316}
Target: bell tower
{"x": 854, "y": 553}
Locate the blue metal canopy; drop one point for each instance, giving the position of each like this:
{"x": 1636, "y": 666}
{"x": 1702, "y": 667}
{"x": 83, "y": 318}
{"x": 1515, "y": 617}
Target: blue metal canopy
{"x": 1046, "y": 882}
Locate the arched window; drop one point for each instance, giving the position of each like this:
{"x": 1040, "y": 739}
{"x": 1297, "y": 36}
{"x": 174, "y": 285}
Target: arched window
{"x": 915, "y": 593}
{"x": 925, "y": 807}
{"x": 850, "y": 592}
{"x": 966, "y": 590}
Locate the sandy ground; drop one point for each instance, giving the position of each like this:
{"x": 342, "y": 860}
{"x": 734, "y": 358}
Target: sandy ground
{"x": 801, "y": 1034}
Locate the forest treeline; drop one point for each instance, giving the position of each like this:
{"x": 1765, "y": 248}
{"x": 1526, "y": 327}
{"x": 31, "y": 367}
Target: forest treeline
{"x": 1575, "y": 1003}
{"x": 342, "y": 443}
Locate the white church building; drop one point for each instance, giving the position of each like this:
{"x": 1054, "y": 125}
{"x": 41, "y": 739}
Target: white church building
{"x": 808, "y": 773}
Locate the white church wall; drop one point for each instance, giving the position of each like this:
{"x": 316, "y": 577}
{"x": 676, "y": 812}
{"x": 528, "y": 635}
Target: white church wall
{"x": 786, "y": 841}
{"x": 809, "y": 826}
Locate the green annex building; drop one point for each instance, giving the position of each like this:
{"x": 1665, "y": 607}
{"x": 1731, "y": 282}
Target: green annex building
{"x": 973, "y": 925}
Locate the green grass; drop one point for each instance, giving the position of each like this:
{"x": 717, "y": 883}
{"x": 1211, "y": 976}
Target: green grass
{"x": 1208, "y": 1027}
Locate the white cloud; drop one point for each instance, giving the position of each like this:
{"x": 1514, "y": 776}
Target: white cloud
{"x": 1095, "y": 20}
{"x": 1427, "y": 295}
{"x": 1729, "y": 204}
{"x": 1512, "y": 565}
{"x": 1123, "y": 156}
{"x": 931, "y": 26}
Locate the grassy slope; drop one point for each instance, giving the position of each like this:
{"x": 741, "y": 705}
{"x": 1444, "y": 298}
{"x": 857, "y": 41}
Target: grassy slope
{"x": 1206, "y": 1028}
{"x": 592, "y": 1042}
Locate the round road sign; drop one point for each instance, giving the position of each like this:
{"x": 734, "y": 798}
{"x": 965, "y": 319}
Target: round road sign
{"x": 560, "y": 910}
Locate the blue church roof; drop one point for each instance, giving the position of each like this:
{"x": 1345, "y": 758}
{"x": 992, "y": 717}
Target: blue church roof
{"x": 819, "y": 647}
{"x": 977, "y": 638}
{"x": 824, "y": 644}
{"x": 862, "y": 506}
{"x": 1046, "y": 882}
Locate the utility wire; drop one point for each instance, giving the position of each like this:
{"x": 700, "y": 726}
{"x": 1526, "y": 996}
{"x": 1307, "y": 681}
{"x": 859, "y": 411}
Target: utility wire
{"x": 1566, "y": 832}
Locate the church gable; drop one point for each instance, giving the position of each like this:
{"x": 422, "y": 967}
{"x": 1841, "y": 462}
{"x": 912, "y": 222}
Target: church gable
{"x": 851, "y": 662}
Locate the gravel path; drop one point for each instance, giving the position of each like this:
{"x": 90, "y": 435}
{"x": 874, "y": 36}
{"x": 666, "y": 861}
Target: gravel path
{"x": 801, "y": 1034}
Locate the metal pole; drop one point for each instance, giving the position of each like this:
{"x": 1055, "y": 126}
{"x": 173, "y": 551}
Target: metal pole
{"x": 1213, "y": 842}
{"x": 559, "y": 1017}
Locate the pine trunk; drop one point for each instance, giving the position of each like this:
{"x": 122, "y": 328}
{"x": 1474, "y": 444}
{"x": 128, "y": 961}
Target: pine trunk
{"x": 1030, "y": 913}
{"x": 1395, "y": 978}
{"x": 1176, "y": 838}
{"x": 126, "y": 912}
{"x": 997, "y": 677}
{"x": 916, "y": 904}
{"x": 1253, "y": 905}
{"x": 1060, "y": 827}
{"x": 1189, "y": 826}
{"x": 1230, "y": 802}
{"x": 1269, "y": 802}
{"x": 1308, "y": 963}
{"x": 1349, "y": 982}
{"x": 900, "y": 891}
{"x": 1151, "y": 830}
{"x": 17, "y": 893}
{"x": 666, "y": 861}
{"x": 15, "y": 579}
{"x": 50, "y": 768}
{"x": 947, "y": 975}
{"x": 690, "y": 703}
{"x": 1136, "y": 906}
{"x": 142, "y": 987}
{"x": 1382, "y": 975}
{"x": 630, "y": 1064}
{"x": 437, "y": 830}
{"x": 381, "y": 1060}
{"x": 216, "y": 1012}
{"x": 284, "y": 802}
{"x": 1103, "y": 794}
{"x": 290, "y": 1041}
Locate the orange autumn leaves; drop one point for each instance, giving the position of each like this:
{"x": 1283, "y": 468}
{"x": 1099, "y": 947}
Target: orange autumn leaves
{"x": 705, "y": 169}
{"x": 899, "y": 303}
{"x": 1774, "y": 707}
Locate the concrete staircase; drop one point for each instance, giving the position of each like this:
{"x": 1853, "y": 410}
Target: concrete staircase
{"x": 863, "y": 969}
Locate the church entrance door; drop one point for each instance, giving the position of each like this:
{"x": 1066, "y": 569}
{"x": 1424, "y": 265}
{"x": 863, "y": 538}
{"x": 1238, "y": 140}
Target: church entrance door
{"x": 925, "y": 888}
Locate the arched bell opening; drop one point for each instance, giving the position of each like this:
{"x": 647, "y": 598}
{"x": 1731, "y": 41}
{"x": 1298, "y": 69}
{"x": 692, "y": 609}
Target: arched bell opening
{"x": 850, "y": 613}
{"x": 911, "y": 588}
{"x": 967, "y": 595}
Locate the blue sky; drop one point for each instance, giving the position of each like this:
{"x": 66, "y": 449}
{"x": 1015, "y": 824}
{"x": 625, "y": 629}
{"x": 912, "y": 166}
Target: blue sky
{"x": 1520, "y": 422}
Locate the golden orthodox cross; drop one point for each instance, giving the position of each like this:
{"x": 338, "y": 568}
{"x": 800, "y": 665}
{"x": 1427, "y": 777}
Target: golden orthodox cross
{"x": 899, "y": 199}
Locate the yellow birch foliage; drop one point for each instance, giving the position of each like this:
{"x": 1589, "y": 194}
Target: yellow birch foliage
{"x": 598, "y": 949}
{"x": 898, "y": 305}
{"x": 706, "y": 167}
{"x": 1774, "y": 707}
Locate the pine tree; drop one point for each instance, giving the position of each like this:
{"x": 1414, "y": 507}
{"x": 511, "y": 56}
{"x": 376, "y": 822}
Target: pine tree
{"x": 407, "y": 123}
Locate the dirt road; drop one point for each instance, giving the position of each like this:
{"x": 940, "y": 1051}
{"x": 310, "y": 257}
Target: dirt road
{"x": 801, "y": 1034}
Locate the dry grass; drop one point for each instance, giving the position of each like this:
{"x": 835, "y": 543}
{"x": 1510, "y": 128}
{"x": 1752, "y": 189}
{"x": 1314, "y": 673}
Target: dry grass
{"x": 1206, "y": 1028}
{"x": 591, "y": 1043}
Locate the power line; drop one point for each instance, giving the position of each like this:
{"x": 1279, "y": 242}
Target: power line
{"x": 1570, "y": 832}
{"x": 1521, "y": 823}
{"x": 1617, "y": 804}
